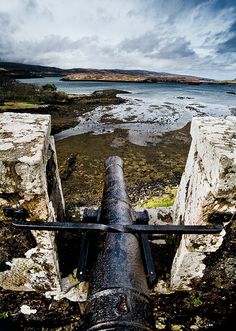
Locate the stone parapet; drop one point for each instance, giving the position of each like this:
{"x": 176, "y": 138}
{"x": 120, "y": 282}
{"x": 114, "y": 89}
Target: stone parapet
{"x": 29, "y": 179}
{"x": 208, "y": 186}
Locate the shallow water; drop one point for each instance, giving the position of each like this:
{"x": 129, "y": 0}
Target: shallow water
{"x": 142, "y": 131}
{"x": 208, "y": 93}
{"x": 150, "y": 109}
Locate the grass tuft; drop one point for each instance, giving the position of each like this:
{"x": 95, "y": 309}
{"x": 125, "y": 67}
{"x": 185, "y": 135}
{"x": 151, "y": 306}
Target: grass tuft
{"x": 155, "y": 201}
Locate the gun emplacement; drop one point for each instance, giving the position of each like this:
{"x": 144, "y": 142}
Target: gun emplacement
{"x": 121, "y": 269}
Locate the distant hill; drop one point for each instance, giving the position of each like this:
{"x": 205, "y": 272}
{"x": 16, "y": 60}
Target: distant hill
{"x": 20, "y": 70}
{"x": 138, "y": 76}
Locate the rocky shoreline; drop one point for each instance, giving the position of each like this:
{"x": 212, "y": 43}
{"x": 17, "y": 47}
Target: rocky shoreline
{"x": 63, "y": 108}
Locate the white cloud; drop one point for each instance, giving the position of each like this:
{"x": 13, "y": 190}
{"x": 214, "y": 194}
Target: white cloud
{"x": 163, "y": 35}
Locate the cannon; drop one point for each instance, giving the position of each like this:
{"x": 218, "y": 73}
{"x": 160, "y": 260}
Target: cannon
{"x": 115, "y": 255}
{"x": 118, "y": 295}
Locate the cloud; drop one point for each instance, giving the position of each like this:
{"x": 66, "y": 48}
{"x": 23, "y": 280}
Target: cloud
{"x": 6, "y": 41}
{"x": 49, "y": 49}
{"x": 229, "y": 45}
{"x": 191, "y": 37}
{"x": 178, "y": 48}
{"x": 30, "y": 5}
{"x": 145, "y": 43}
{"x": 153, "y": 46}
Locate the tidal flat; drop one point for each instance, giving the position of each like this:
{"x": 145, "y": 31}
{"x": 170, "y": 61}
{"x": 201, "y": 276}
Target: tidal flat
{"x": 149, "y": 170}
{"x": 148, "y": 128}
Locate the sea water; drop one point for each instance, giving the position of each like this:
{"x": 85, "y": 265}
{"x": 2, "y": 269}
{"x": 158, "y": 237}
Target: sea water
{"x": 150, "y": 108}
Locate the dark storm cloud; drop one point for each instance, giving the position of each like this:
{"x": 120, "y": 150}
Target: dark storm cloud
{"x": 229, "y": 45}
{"x": 50, "y": 47}
{"x": 169, "y": 8}
{"x": 220, "y": 4}
{"x": 149, "y": 45}
{"x": 179, "y": 48}
{"x": 146, "y": 43}
{"x": 6, "y": 41}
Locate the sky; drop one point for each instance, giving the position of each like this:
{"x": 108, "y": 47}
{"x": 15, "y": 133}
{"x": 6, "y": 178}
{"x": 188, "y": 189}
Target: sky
{"x": 193, "y": 37}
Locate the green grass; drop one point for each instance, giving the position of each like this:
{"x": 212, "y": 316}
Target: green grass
{"x": 18, "y": 105}
{"x": 195, "y": 302}
{"x": 3, "y": 314}
{"x": 154, "y": 202}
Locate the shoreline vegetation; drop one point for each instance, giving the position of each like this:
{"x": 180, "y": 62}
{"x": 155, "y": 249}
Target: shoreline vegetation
{"x": 63, "y": 108}
{"x": 153, "y": 172}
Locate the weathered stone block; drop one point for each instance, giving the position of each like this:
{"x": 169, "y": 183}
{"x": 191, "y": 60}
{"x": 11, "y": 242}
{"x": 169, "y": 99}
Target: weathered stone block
{"x": 208, "y": 185}
{"x": 29, "y": 179}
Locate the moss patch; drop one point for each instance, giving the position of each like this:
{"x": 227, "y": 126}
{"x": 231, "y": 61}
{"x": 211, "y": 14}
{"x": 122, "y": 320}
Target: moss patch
{"x": 18, "y": 105}
{"x": 162, "y": 201}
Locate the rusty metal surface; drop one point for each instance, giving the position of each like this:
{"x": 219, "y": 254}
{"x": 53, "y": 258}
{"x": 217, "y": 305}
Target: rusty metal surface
{"x": 132, "y": 228}
{"x": 118, "y": 294}
{"x": 118, "y": 309}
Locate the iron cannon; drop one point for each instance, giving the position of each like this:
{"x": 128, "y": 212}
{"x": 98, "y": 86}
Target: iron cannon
{"x": 118, "y": 296}
{"x": 115, "y": 256}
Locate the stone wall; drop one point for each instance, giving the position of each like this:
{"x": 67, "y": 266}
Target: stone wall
{"x": 208, "y": 186}
{"x": 29, "y": 179}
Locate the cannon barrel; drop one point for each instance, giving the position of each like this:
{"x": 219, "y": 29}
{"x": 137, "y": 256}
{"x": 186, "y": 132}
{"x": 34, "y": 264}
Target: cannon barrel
{"x": 118, "y": 296}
